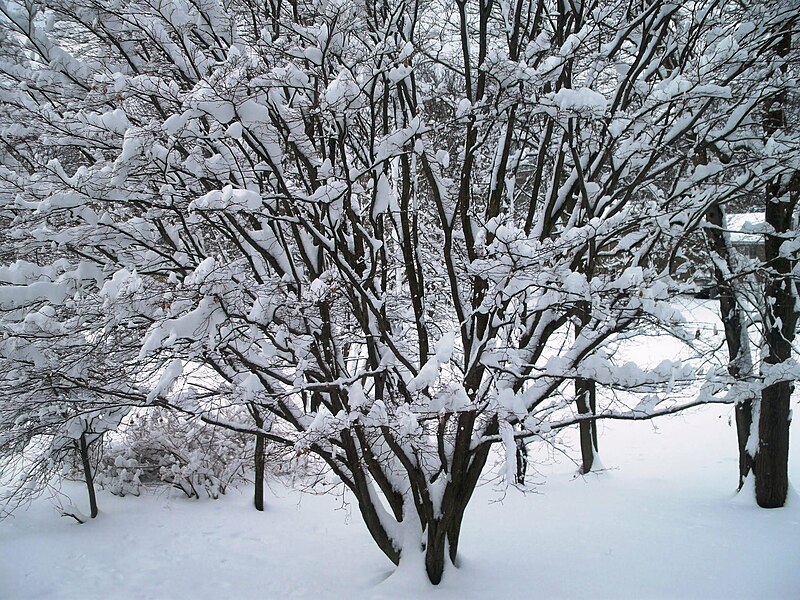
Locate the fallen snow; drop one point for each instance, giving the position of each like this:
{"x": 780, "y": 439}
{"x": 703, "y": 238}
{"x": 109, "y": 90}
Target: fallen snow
{"x": 662, "y": 522}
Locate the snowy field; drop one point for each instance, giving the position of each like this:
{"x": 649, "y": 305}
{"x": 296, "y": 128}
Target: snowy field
{"x": 662, "y": 521}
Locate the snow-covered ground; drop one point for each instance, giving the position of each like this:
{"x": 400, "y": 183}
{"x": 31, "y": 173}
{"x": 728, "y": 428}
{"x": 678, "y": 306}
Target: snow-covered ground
{"x": 661, "y": 522}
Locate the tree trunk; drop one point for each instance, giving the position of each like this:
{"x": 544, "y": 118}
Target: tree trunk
{"x": 258, "y": 499}
{"x": 772, "y": 456}
{"x": 435, "y": 547}
{"x": 740, "y": 362}
{"x": 259, "y": 472}
{"x": 586, "y": 400}
{"x": 87, "y": 474}
{"x": 771, "y": 463}
{"x": 744, "y": 423}
{"x": 443, "y": 534}
{"x": 780, "y": 319}
{"x": 462, "y": 498}
{"x": 522, "y": 462}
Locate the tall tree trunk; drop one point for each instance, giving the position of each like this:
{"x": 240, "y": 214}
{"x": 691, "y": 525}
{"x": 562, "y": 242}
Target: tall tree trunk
{"x": 585, "y": 398}
{"x": 259, "y": 472}
{"x": 740, "y": 363}
{"x": 258, "y": 499}
{"x": 586, "y": 401}
{"x": 83, "y": 447}
{"x": 772, "y": 457}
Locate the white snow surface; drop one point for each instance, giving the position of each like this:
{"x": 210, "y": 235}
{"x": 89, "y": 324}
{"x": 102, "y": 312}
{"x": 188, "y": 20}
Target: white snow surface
{"x": 661, "y": 521}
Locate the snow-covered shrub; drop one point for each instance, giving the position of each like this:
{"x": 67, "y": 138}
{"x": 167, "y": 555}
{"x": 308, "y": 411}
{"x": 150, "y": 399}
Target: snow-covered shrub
{"x": 158, "y": 446}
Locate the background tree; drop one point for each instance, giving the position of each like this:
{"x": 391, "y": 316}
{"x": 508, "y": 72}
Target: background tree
{"x": 781, "y": 310}
{"x": 729, "y": 280}
{"x": 762, "y": 417}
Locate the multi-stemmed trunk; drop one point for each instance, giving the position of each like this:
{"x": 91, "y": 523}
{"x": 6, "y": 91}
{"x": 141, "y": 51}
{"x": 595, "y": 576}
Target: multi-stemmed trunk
{"x": 442, "y": 535}
{"x": 430, "y": 522}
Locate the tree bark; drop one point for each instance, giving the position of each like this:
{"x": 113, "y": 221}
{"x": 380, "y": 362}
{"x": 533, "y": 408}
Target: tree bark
{"x": 259, "y": 460}
{"x": 259, "y": 473}
{"x": 586, "y": 400}
{"x": 739, "y": 358}
{"x": 435, "y": 547}
{"x": 772, "y": 457}
{"x": 771, "y": 462}
{"x": 522, "y": 462}
{"x": 83, "y": 447}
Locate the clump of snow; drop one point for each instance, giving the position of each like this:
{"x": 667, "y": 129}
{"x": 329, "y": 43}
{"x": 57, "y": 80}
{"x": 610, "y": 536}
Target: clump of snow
{"x": 582, "y": 101}
{"x": 464, "y": 108}
{"x": 429, "y": 372}
{"x": 228, "y": 198}
{"x": 167, "y": 379}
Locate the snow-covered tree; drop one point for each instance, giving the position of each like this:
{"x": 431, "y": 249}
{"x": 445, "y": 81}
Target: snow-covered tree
{"x": 778, "y": 369}
{"x": 768, "y": 142}
{"x": 402, "y": 230}
{"x": 45, "y": 422}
